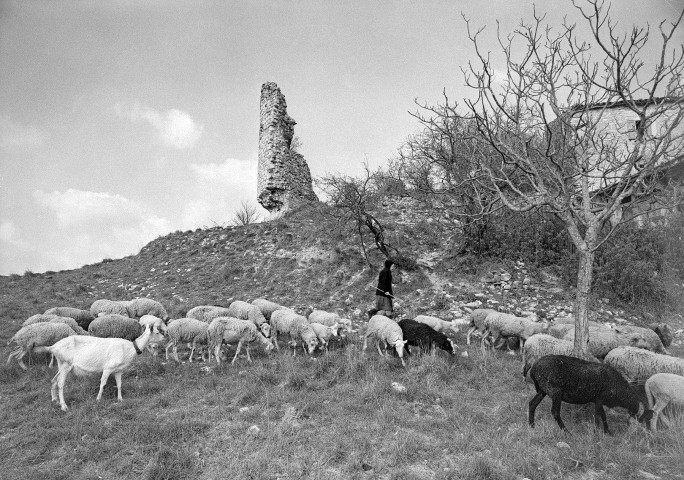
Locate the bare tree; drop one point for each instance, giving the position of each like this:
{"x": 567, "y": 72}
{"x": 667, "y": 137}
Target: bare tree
{"x": 354, "y": 198}
{"x": 548, "y": 117}
{"x": 246, "y": 214}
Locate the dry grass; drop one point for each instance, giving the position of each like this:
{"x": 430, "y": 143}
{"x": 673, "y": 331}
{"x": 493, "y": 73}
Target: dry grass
{"x": 333, "y": 417}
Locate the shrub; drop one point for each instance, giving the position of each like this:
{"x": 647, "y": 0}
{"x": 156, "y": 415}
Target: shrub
{"x": 538, "y": 238}
{"x": 631, "y": 265}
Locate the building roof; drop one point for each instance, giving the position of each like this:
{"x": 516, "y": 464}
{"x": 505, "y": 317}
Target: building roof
{"x": 621, "y": 103}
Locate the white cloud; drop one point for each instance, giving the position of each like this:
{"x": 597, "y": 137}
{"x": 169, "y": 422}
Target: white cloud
{"x": 219, "y": 189}
{"x": 15, "y": 136}
{"x": 8, "y": 231}
{"x": 82, "y": 227}
{"x": 175, "y": 128}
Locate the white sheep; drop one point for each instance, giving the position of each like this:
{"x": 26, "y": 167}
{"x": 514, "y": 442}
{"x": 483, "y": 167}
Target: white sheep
{"x": 327, "y": 318}
{"x": 478, "y": 322}
{"x": 115, "y": 326}
{"x": 37, "y": 335}
{"x": 438, "y": 324}
{"x": 655, "y": 344}
{"x": 39, "y": 318}
{"x": 603, "y": 340}
{"x": 146, "y": 306}
{"x": 52, "y": 318}
{"x": 638, "y": 365}
{"x": 82, "y": 317}
{"x": 71, "y": 323}
{"x": 247, "y": 311}
{"x": 386, "y": 331}
{"x": 154, "y": 321}
{"x": 296, "y": 326}
{"x": 541, "y": 344}
{"x": 324, "y": 333}
{"x": 507, "y": 325}
{"x": 206, "y": 313}
{"x": 267, "y": 307}
{"x": 187, "y": 330}
{"x": 230, "y": 330}
{"x": 105, "y": 307}
{"x": 663, "y": 389}
{"x": 93, "y": 355}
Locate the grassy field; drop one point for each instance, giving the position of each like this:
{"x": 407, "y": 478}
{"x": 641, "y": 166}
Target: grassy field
{"x": 335, "y": 417}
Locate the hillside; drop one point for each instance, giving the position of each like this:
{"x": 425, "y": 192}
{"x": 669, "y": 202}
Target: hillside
{"x": 305, "y": 258}
{"x": 338, "y": 417}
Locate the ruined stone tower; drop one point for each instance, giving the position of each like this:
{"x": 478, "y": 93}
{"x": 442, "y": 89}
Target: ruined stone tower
{"x": 284, "y": 177}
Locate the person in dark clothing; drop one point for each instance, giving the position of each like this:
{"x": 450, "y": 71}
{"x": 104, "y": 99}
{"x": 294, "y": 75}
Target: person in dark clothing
{"x": 383, "y": 292}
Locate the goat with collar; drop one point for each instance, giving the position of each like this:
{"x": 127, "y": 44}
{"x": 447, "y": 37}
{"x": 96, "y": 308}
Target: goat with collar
{"x": 92, "y": 355}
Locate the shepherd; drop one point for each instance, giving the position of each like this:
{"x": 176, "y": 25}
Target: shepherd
{"x": 383, "y": 292}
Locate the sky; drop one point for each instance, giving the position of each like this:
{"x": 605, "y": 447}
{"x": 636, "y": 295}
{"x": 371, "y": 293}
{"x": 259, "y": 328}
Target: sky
{"x": 123, "y": 121}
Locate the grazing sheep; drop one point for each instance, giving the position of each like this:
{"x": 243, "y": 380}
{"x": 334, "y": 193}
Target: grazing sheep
{"x": 154, "y": 321}
{"x": 477, "y": 320}
{"x": 247, "y": 311}
{"x": 386, "y": 331}
{"x": 82, "y": 317}
{"x": 507, "y": 325}
{"x": 324, "y": 333}
{"x": 663, "y": 389}
{"x": 71, "y": 323}
{"x": 541, "y": 344}
{"x": 146, "y": 306}
{"x": 187, "y": 330}
{"x": 37, "y": 335}
{"x": 206, "y": 313}
{"x": 327, "y": 318}
{"x": 438, "y": 324}
{"x": 424, "y": 337}
{"x": 267, "y": 307}
{"x": 603, "y": 340}
{"x": 297, "y": 328}
{"x": 663, "y": 331}
{"x": 39, "y": 318}
{"x": 115, "y": 326}
{"x": 92, "y": 355}
{"x": 105, "y": 307}
{"x": 573, "y": 380}
{"x": 230, "y": 330}
{"x": 655, "y": 344}
{"x": 638, "y": 365}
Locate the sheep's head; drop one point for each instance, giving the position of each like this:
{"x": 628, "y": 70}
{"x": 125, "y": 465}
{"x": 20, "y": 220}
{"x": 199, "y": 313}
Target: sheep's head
{"x": 311, "y": 344}
{"x": 334, "y": 329}
{"x": 265, "y": 329}
{"x": 399, "y": 347}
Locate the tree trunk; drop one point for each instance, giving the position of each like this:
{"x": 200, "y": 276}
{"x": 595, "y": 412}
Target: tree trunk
{"x": 584, "y": 277}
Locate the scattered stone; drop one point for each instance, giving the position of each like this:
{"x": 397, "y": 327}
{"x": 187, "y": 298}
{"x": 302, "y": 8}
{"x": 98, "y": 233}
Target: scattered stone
{"x": 398, "y": 387}
{"x": 464, "y": 353}
{"x": 475, "y": 304}
{"x": 244, "y": 409}
{"x": 254, "y": 430}
{"x": 562, "y": 445}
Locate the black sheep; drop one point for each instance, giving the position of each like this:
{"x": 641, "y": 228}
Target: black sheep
{"x": 423, "y": 336}
{"x": 573, "y": 380}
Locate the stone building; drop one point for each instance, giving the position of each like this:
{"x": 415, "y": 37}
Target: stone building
{"x": 618, "y": 133}
{"x": 284, "y": 179}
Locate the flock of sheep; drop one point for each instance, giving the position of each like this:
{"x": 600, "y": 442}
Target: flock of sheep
{"x": 106, "y": 338}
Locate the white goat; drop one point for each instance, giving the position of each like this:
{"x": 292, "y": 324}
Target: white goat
{"x": 91, "y": 355}
{"x": 663, "y": 389}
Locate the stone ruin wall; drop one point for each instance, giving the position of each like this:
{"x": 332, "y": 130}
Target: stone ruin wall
{"x": 284, "y": 178}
